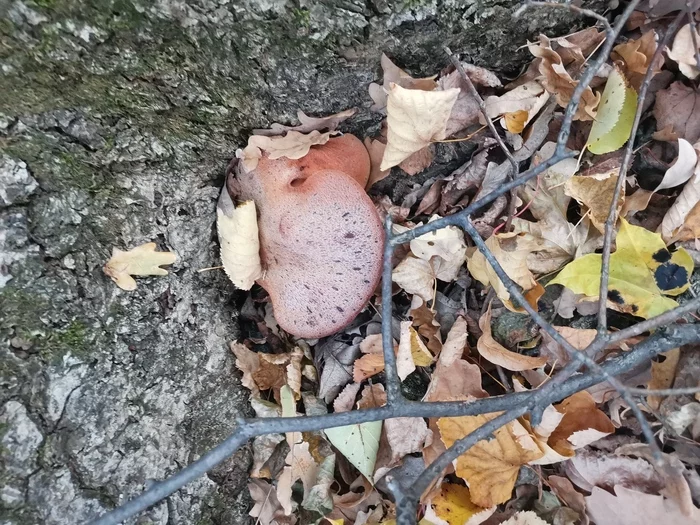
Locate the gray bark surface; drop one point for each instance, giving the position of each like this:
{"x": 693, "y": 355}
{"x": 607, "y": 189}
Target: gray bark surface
{"x": 117, "y": 121}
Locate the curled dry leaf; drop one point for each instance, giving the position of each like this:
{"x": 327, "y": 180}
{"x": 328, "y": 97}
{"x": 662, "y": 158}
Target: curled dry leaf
{"x": 683, "y": 51}
{"x": 416, "y": 276}
{"x": 495, "y": 353}
{"x": 266, "y": 506}
{"x": 396, "y": 75}
{"x": 412, "y": 351}
{"x": 142, "y": 260}
{"x": 636, "y": 54}
{"x": 682, "y": 219}
{"x": 582, "y": 424}
{"x": 453, "y": 506}
{"x": 682, "y": 168}
{"x": 445, "y": 244}
{"x": 490, "y": 467}
{"x": 415, "y": 119}
{"x": 309, "y": 124}
{"x": 294, "y": 145}
{"x": 557, "y": 80}
{"x": 237, "y": 227}
{"x": 588, "y": 469}
{"x": 425, "y": 323}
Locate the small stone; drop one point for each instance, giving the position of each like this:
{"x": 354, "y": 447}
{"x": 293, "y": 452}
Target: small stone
{"x": 69, "y": 262}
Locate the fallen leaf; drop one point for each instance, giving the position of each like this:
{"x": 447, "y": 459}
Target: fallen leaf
{"x": 237, "y": 227}
{"x": 142, "y": 260}
{"x": 642, "y": 272}
{"x": 373, "y": 396}
{"x": 335, "y": 359}
{"x": 367, "y": 366}
{"x": 613, "y": 122}
{"x": 511, "y": 250}
{"x": 525, "y": 517}
{"x": 582, "y": 424}
{"x": 683, "y": 51}
{"x": 453, "y": 377}
{"x": 418, "y": 161}
{"x": 453, "y": 505}
{"x": 490, "y": 467}
{"x": 406, "y": 435}
{"x": 415, "y": 119}
{"x": 375, "y": 148}
{"x": 495, "y": 353}
{"x": 568, "y": 495}
{"x": 557, "y": 80}
{"x": 629, "y": 507}
{"x": 263, "y": 449}
{"x": 662, "y": 375}
{"x": 447, "y": 244}
{"x": 595, "y": 192}
{"x": 680, "y": 221}
{"x": 521, "y": 98}
{"x": 319, "y": 498}
{"x": 247, "y": 362}
{"x": 412, "y": 351}
{"x": 309, "y": 124}
{"x": 682, "y": 168}
{"x": 426, "y": 325}
{"x": 293, "y": 145}
{"x": 678, "y": 107}
{"x": 358, "y": 443}
{"x": 636, "y": 55}
{"x": 346, "y": 399}
{"x": 415, "y": 276}
{"x": 589, "y": 469}
{"x": 266, "y": 506}
{"x": 579, "y": 338}
{"x": 396, "y": 75}
{"x": 276, "y": 370}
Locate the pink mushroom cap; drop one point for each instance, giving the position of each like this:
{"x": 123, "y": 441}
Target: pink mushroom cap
{"x": 321, "y": 239}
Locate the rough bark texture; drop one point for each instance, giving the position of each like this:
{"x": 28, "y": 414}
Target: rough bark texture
{"x": 117, "y": 121}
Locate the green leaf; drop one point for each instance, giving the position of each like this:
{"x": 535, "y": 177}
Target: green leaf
{"x": 358, "y": 443}
{"x": 642, "y": 272}
{"x": 613, "y": 122}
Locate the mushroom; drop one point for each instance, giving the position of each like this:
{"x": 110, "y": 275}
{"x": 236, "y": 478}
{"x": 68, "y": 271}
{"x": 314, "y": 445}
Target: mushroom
{"x": 321, "y": 239}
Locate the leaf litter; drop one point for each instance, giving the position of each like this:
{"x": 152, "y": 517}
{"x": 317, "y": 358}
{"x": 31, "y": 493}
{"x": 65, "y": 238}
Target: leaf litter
{"x": 457, "y": 334}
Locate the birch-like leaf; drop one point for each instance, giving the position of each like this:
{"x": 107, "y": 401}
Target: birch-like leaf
{"x": 358, "y": 443}
{"x": 237, "y": 227}
{"x": 613, "y": 123}
{"x": 415, "y": 118}
{"x": 142, "y": 260}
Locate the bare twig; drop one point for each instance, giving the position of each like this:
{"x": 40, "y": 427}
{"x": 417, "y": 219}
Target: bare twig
{"x": 664, "y": 391}
{"x": 393, "y": 385}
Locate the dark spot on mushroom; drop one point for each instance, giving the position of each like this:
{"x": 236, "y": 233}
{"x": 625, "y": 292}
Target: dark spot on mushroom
{"x": 365, "y": 281}
{"x": 307, "y": 286}
{"x": 349, "y": 235}
{"x": 339, "y": 309}
{"x": 334, "y": 288}
{"x": 615, "y": 297}
{"x": 662, "y": 256}
{"x": 356, "y": 268}
{"x": 308, "y": 309}
{"x": 346, "y": 214}
{"x": 669, "y": 276}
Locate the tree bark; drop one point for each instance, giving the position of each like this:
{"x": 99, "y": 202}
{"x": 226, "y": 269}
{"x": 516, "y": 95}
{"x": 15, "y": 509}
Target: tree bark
{"x": 117, "y": 121}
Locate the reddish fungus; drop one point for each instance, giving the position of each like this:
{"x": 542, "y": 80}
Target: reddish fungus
{"x": 320, "y": 236}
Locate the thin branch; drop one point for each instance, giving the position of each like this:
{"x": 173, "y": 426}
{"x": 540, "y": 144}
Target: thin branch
{"x": 664, "y": 391}
{"x": 393, "y": 384}
{"x": 663, "y": 319}
{"x": 622, "y": 177}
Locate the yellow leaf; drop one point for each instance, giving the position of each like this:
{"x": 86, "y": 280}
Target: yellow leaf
{"x": 582, "y": 424}
{"x": 642, "y": 272}
{"x": 613, "y": 122}
{"x": 237, "y": 227}
{"x": 493, "y": 352}
{"x": 454, "y": 505}
{"x": 515, "y": 122}
{"x": 142, "y": 260}
{"x": 596, "y": 193}
{"x": 415, "y": 118}
{"x": 662, "y": 375}
{"x": 491, "y": 466}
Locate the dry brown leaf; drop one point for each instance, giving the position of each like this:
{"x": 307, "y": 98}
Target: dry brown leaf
{"x": 375, "y": 148}
{"x": 637, "y": 55}
{"x": 579, "y": 338}
{"x": 415, "y": 276}
{"x": 444, "y": 248}
{"x": 373, "y": 396}
{"x": 237, "y": 227}
{"x": 406, "y": 435}
{"x": 691, "y": 226}
{"x": 247, "y": 362}
{"x": 629, "y": 507}
{"x": 396, "y": 75}
{"x": 309, "y": 124}
{"x": 662, "y": 375}
{"x": 524, "y": 517}
{"x": 588, "y": 469}
{"x": 678, "y": 107}
{"x": 412, "y": 351}
{"x": 367, "y": 366}
{"x": 453, "y": 377}
{"x": 495, "y": 353}
{"x": 511, "y": 250}
{"x": 263, "y": 449}
{"x": 418, "y": 161}
{"x": 491, "y": 466}
{"x": 300, "y": 465}
{"x": 557, "y": 80}
{"x": 277, "y": 370}
{"x": 680, "y": 220}
{"x": 346, "y": 399}
{"x": 266, "y": 506}
{"x": 142, "y": 260}
{"x": 566, "y": 492}
{"x": 415, "y": 119}
{"x": 582, "y": 424}
{"x": 293, "y": 145}
{"x": 595, "y": 192}
{"x": 424, "y": 321}
{"x": 521, "y": 98}
{"x": 683, "y": 51}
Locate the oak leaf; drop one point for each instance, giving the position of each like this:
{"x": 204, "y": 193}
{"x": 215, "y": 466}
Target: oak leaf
{"x": 142, "y": 260}
{"x": 237, "y": 227}
{"x": 678, "y": 108}
{"x": 490, "y": 466}
{"x": 309, "y": 124}
{"x": 446, "y": 244}
{"x": 595, "y": 192}
{"x": 294, "y": 145}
